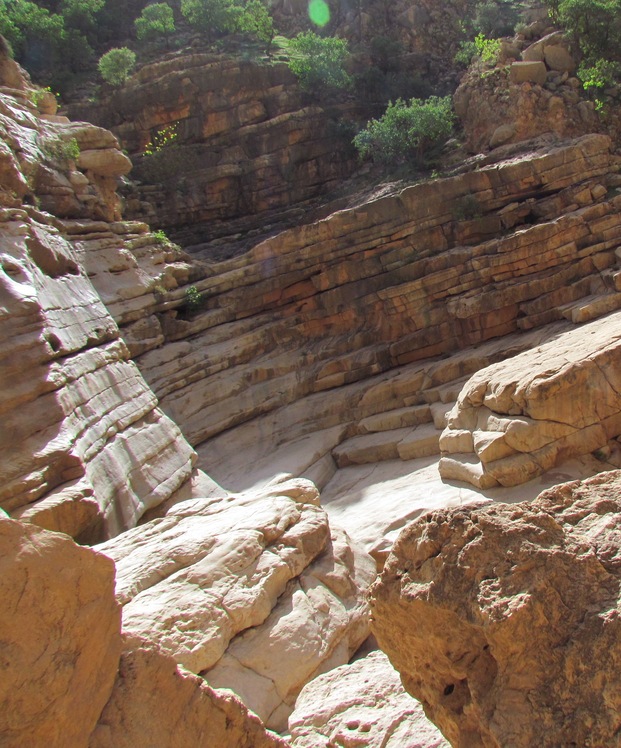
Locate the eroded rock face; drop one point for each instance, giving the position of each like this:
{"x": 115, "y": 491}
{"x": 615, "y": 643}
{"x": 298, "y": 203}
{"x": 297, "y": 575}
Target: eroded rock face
{"x": 250, "y": 591}
{"x": 247, "y": 145}
{"x": 362, "y": 704}
{"x": 61, "y": 637}
{"x": 518, "y": 418}
{"x": 504, "y": 619}
{"x": 154, "y": 702}
{"x": 85, "y": 449}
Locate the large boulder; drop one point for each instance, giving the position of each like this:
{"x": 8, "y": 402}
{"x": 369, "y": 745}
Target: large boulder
{"x": 254, "y": 592}
{"x": 515, "y": 419}
{"x": 363, "y": 704}
{"x": 504, "y": 620}
{"x": 60, "y": 640}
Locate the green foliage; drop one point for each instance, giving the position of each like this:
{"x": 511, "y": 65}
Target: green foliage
{"x": 494, "y": 18}
{"x": 594, "y": 24}
{"x": 319, "y": 61}
{"x": 487, "y": 49}
{"x": 410, "y": 132}
{"x": 162, "y": 138}
{"x": 194, "y": 299}
{"x": 467, "y": 50}
{"x": 599, "y": 75}
{"x": 256, "y": 20}
{"x": 212, "y": 17}
{"x": 116, "y": 65}
{"x": 81, "y": 15}
{"x": 155, "y": 21}
{"x": 60, "y": 150}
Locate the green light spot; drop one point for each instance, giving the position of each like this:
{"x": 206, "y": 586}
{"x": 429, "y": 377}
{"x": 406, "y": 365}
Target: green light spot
{"x": 319, "y": 12}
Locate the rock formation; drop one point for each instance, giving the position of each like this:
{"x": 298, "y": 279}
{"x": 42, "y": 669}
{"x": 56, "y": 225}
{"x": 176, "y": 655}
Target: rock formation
{"x": 68, "y": 679}
{"x": 518, "y": 418}
{"x": 85, "y": 449}
{"x": 503, "y": 619}
{"x": 254, "y": 592}
{"x": 247, "y": 148}
{"x": 362, "y": 704}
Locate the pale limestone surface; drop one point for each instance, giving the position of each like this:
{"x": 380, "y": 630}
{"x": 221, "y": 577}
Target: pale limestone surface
{"x": 252, "y": 591}
{"x": 504, "y": 619}
{"x": 362, "y": 704}
{"x": 85, "y": 448}
{"x": 60, "y": 636}
{"x": 515, "y": 419}
{"x": 156, "y": 703}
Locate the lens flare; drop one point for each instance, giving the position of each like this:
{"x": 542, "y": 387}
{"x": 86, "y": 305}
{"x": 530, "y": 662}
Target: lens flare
{"x": 319, "y": 12}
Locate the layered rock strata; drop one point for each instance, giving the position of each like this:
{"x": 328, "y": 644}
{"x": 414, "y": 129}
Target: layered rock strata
{"x": 516, "y": 419}
{"x": 233, "y": 146}
{"x": 291, "y": 335}
{"x": 85, "y": 448}
{"x": 255, "y": 592}
{"x": 504, "y": 620}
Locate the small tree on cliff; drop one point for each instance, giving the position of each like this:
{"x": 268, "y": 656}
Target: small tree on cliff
{"x": 407, "y": 132}
{"x": 116, "y": 65}
{"x": 319, "y": 61}
{"x": 155, "y": 21}
{"x": 212, "y": 17}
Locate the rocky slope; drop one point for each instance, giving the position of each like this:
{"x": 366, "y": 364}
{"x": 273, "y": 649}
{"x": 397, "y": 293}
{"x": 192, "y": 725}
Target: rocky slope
{"x": 339, "y": 345}
{"x": 504, "y": 620}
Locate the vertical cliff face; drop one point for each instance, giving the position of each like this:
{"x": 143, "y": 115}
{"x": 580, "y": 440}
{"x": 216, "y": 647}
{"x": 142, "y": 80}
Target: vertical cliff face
{"x": 85, "y": 448}
{"x": 244, "y": 145}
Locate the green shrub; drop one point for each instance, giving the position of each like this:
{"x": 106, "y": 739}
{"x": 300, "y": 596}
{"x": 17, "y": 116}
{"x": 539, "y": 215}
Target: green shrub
{"x": 487, "y": 49}
{"x": 116, "y": 65}
{"x": 61, "y": 150}
{"x": 212, "y": 17}
{"x": 257, "y": 21}
{"x": 194, "y": 299}
{"x": 155, "y": 21}
{"x": 599, "y": 75}
{"x": 494, "y": 18}
{"x": 594, "y": 24}
{"x": 318, "y": 61}
{"x": 411, "y": 131}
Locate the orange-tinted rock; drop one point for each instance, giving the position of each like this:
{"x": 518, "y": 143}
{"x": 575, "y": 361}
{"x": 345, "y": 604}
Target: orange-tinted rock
{"x": 504, "y": 619}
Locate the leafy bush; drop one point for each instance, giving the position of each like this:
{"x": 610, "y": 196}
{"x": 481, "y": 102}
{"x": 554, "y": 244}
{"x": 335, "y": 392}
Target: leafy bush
{"x": 318, "y": 61}
{"x": 61, "y": 150}
{"x": 487, "y": 49}
{"x": 116, "y": 65}
{"x": 162, "y": 138}
{"x": 494, "y": 18}
{"x": 594, "y": 24}
{"x": 407, "y": 131}
{"x": 256, "y": 20}
{"x": 601, "y": 74}
{"x": 155, "y": 21}
{"x": 212, "y": 17}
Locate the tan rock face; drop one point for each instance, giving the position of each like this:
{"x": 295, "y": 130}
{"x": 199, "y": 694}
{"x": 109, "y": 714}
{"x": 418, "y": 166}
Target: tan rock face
{"x": 154, "y": 702}
{"x": 85, "y": 449}
{"x": 504, "y": 620}
{"x": 362, "y": 704}
{"x": 250, "y": 591}
{"x": 60, "y": 637}
{"x": 245, "y": 145}
{"x": 516, "y": 419}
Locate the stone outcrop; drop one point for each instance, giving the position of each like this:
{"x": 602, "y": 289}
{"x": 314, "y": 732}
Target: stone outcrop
{"x": 516, "y": 419}
{"x": 362, "y": 704}
{"x": 524, "y": 95}
{"x": 296, "y": 337}
{"x": 246, "y": 146}
{"x": 61, "y": 638}
{"x": 85, "y": 449}
{"x": 504, "y": 619}
{"x": 156, "y": 703}
{"x": 255, "y": 592}
{"x": 67, "y": 677}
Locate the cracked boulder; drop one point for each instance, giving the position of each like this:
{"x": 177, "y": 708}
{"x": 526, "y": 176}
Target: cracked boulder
{"x": 516, "y": 419}
{"x": 255, "y": 592}
{"x": 504, "y": 620}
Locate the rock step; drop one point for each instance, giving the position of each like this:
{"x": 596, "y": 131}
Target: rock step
{"x": 439, "y": 413}
{"x": 396, "y": 419}
{"x": 404, "y": 444}
{"x": 466, "y": 468}
{"x": 591, "y": 307}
